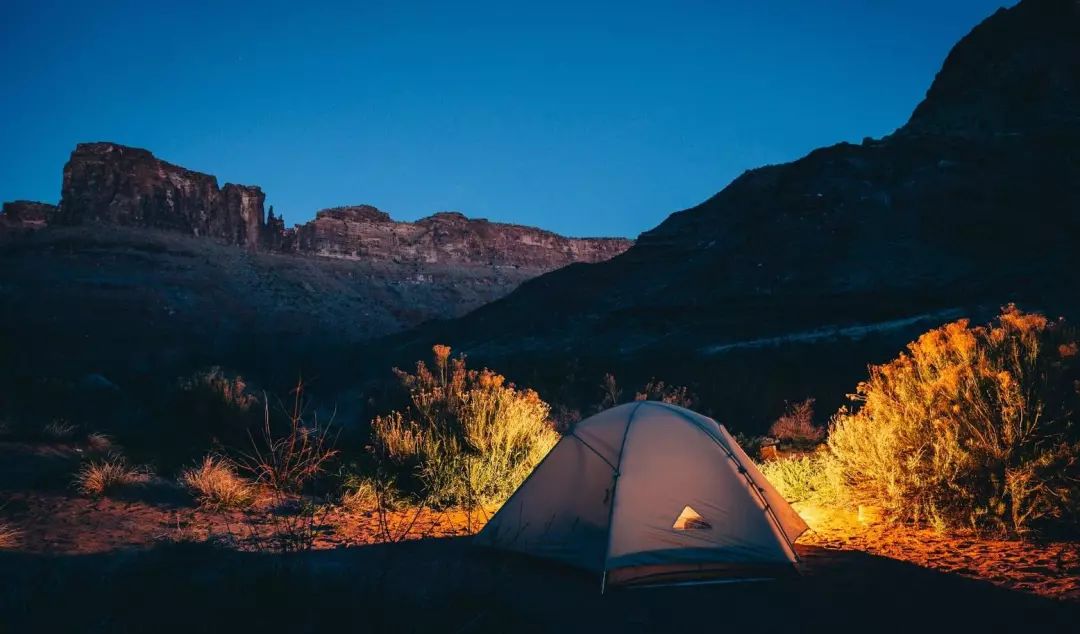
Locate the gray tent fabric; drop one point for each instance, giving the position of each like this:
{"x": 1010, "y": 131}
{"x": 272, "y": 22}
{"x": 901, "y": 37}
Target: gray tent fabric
{"x": 649, "y": 491}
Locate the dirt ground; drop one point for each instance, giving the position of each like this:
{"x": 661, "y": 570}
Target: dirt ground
{"x": 150, "y": 560}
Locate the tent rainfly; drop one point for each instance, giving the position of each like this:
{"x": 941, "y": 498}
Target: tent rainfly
{"x": 650, "y": 493}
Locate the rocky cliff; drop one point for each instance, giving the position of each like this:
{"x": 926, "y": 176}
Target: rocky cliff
{"x": 366, "y": 232}
{"x": 113, "y": 184}
{"x": 790, "y": 280}
{"x": 26, "y": 214}
{"x": 138, "y": 275}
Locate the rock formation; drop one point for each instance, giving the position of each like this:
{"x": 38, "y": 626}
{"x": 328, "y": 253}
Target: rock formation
{"x": 113, "y": 184}
{"x": 791, "y": 279}
{"x": 26, "y": 214}
{"x": 366, "y": 232}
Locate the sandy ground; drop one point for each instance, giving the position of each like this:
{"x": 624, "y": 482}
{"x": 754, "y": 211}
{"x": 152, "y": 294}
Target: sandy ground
{"x": 1049, "y": 569}
{"x": 124, "y": 559}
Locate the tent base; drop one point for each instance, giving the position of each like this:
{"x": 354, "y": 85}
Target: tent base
{"x": 695, "y": 574}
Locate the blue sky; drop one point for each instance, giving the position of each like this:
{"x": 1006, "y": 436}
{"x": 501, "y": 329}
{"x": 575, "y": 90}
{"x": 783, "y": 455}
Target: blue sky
{"x": 586, "y": 118}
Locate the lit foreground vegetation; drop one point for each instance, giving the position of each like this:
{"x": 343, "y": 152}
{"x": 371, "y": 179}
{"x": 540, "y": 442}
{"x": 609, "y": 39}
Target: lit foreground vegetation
{"x": 468, "y": 437}
{"x": 972, "y": 427}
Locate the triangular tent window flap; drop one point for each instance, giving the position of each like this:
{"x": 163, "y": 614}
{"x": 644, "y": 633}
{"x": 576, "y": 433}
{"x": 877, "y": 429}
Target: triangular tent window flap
{"x": 690, "y": 519}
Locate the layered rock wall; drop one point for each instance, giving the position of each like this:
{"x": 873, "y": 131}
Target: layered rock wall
{"x": 366, "y": 232}
{"x": 26, "y": 214}
{"x": 113, "y": 184}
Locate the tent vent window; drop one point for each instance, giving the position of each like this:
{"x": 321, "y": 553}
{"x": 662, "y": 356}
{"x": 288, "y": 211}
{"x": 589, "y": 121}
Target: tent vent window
{"x": 690, "y": 520}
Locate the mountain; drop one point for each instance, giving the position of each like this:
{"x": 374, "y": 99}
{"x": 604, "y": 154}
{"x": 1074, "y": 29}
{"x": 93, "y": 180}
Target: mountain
{"x": 791, "y": 279}
{"x": 147, "y": 269}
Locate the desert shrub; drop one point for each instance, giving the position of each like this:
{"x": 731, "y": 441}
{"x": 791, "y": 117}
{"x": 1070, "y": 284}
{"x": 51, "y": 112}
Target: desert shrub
{"x": 656, "y": 390}
{"x": 213, "y": 404}
{"x": 610, "y": 393}
{"x": 972, "y": 426}
{"x": 219, "y": 390}
{"x": 563, "y": 417}
{"x": 286, "y": 457}
{"x": 101, "y": 477}
{"x": 796, "y": 425}
{"x": 468, "y": 438}
{"x": 813, "y": 478}
{"x": 215, "y": 484}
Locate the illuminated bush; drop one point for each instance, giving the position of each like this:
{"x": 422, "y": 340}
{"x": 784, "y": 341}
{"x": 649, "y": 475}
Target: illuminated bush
{"x": 468, "y": 438}
{"x": 796, "y": 425}
{"x": 812, "y": 478}
{"x": 973, "y": 426}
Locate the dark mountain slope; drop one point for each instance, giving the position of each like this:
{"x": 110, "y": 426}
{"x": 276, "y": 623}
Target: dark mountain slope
{"x": 791, "y": 279}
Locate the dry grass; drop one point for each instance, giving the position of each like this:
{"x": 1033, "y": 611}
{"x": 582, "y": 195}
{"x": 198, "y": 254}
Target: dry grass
{"x": 100, "y": 444}
{"x": 59, "y": 430}
{"x": 469, "y": 438}
{"x": 100, "y": 477}
{"x": 9, "y": 537}
{"x": 286, "y": 460}
{"x": 361, "y": 495}
{"x": 215, "y": 484}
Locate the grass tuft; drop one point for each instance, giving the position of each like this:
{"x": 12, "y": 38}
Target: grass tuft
{"x": 101, "y": 477}
{"x": 9, "y": 537}
{"x": 215, "y": 484}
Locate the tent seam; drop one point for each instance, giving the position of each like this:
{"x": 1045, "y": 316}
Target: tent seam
{"x": 599, "y": 455}
{"x": 615, "y": 489}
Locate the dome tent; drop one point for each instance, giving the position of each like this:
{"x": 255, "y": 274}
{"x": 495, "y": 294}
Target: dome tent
{"x": 648, "y": 493}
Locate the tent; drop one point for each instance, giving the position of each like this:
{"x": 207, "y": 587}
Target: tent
{"x": 650, "y": 493}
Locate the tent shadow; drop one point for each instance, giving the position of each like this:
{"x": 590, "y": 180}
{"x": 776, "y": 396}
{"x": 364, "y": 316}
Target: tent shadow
{"x": 448, "y": 585}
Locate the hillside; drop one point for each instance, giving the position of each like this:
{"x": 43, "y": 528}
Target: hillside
{"x": 841, "y": 256}
{"x": 146, "y": 270}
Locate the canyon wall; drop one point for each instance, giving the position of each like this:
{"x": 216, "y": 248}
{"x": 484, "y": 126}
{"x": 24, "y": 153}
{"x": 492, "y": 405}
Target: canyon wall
{"x": 113, "y": 184}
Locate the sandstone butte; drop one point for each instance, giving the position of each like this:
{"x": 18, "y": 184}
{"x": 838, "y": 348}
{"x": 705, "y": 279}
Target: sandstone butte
{"x": 108, "y": 183}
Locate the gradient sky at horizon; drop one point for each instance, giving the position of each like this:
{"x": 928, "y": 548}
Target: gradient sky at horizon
{"x": 585, "y": 118}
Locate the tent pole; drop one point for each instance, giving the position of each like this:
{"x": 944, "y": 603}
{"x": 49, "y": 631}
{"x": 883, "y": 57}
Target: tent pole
{"x": 615, "y": 488}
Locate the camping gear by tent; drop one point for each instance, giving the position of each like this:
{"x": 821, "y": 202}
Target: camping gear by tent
{"x": 648, "y": 493}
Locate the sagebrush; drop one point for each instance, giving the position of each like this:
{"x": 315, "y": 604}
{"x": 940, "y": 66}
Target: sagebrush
{"x": 468, "y": 437}
{"x": 972, "y": 426}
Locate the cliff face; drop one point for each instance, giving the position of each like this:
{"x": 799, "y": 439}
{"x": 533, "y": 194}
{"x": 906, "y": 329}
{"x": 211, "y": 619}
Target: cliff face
{"x": 113, "y": 184}
{"x": 365, "y": 232}
{"x": 26, "y": 214}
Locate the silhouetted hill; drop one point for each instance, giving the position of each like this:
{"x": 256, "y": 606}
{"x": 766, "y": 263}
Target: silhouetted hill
{"x": 795, "y": 276}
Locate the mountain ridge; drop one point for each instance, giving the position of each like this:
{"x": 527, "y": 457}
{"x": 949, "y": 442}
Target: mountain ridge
{"x": 971, "y": 204}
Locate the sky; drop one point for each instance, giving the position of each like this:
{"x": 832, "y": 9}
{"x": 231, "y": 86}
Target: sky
{"x": 586, "y": 118}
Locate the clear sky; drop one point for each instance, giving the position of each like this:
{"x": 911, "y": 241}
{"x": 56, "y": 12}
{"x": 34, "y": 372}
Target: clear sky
{"x": 587, "y": 118}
